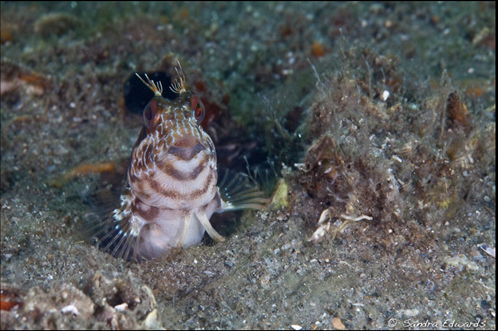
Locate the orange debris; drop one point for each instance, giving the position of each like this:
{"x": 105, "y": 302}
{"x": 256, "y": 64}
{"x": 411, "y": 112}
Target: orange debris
{"x": 317, "y": 49}
{"x": 82, "y": 169}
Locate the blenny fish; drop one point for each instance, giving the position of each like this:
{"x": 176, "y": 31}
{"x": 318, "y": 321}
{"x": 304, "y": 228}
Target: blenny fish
{"x": 171, "y": 190}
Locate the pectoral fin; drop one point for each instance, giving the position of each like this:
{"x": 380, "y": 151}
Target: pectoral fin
{"x": 238, "y": 192}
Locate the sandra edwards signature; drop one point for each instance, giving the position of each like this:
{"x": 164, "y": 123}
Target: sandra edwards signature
{"x": 448, "y": 323}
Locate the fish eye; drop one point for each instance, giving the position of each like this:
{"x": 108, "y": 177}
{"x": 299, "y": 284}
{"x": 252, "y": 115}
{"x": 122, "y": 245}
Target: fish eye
{"x": 198, "y": 108}
{"x": 150, "y": 113}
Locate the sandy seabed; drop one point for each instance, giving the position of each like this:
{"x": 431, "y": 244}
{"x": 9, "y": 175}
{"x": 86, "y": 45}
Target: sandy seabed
{"x": 380, "y": 117}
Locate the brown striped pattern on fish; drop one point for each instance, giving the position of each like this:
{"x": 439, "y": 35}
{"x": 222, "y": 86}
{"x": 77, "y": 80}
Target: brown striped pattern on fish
{"x": 171, "y": 181}
{"x": 171, "y": 190}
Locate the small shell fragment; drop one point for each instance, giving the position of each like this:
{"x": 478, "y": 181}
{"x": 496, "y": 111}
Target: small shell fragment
{"x": 296, "y": 327}
{"x": 280, "y": 198}
{"x": 152, "y": 321}
{"x": 385, "y": 95}
{"x": 337, "y": 324}
{"x": 122, "y": 307}
{"x": 70, "y": 309}
{"x": 487, "y": 249}
{"x": 320, "y": 232}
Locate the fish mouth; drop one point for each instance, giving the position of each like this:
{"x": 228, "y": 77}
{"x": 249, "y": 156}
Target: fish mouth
{"x": 186, "y": 142}
{"x": 187, "y": 148}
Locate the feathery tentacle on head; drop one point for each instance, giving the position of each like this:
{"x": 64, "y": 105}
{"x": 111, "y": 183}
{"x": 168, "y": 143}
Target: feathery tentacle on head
{"x": 157, "y": 89}
{"x": 179, "y": 85}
